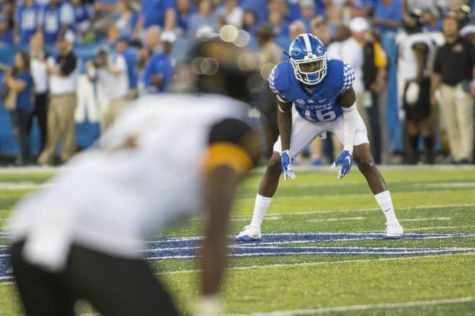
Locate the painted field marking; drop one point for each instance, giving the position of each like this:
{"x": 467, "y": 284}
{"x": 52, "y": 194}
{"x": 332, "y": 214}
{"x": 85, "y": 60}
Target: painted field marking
{"x": 425, "y": 219}
{"x": 362, "y": 307}
{"x": 439, "y": 227}
{"x": 450, "y": 185}
{"x": 336, "y": 219}
{"x": 373, "y": 209}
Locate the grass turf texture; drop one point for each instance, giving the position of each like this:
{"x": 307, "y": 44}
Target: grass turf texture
{"x": 426, "y": 201}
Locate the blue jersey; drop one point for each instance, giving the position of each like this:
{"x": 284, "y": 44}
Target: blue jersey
{"x": 321, "y": 105}
{"x": 131, "y": 54}
{"x": 54, "y": 17}
{"x": 28, "y": 20}
{"x": 158, "y": 64}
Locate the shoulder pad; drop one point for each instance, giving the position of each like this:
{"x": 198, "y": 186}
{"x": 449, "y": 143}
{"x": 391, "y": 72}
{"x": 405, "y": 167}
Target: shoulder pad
{"x": 279, "y": 78}
{"x": 341, "y": 75}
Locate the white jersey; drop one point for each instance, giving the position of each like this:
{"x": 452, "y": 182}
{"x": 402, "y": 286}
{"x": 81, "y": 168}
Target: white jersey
{"x": 351, "y": 52}
{"x": 407, "y": 63}
{"x": 143, "y": 175}
{"x": 467, "y": 29}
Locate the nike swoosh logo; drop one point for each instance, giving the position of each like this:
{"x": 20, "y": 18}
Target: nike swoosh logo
{"x": 348, "y": 158}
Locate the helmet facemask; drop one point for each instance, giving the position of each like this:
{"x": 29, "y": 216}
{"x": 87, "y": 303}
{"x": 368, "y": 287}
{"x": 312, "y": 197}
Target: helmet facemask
{"x": 310, "y": 70}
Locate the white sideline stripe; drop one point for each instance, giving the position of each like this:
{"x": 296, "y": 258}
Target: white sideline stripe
{"x": 336, "y": 219}
{"x": 361, "y": 307}
{"x": 425, "y": 219}
{"x": 439, "y": 227}
{"x": 373, "y": 209}
{"x": 412, "y": 192}
{"x": 284, "y": 265}
{"x": 24, "y": 185}
{"x": 450, "y": 185}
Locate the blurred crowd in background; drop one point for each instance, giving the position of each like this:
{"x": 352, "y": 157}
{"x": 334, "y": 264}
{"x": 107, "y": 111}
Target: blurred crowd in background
{"x": 84, "y": 60}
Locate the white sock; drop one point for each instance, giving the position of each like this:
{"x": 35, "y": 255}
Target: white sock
{"x": 386, "y": 205}
{"x": 260, "y": 208}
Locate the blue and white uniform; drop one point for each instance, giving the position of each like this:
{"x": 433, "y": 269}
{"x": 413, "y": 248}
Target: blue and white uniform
{"x": 318, "y": 111}
{"x": 28, "y": 21}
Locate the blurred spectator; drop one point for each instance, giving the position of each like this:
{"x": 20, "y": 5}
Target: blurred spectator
{"x": 40, "y": 78}
{"x": 279, "y": 25}
{"x": 204, "y": 16}
{"x": 321, "y": 30}
{"x": 270, "y": 55}
{"x": 249, "y": 21}
{"x": 415, "y": 55}
{"x": 259, "y": 7}
{"x": 183, "y": 12}
{"x": 110, "y": 73}
{"x": 57, "y": 17}
{"x": 126, "y": 18}
{"x": 20, "y": 82}
{"x": 432, "y": 20}
{"x": 130, "y": 55}
{"x": 409, "y": 5}
{"x": 82, "y": 16}
{"x": 387, "y": 15}
{"x": 466, "y": 23}
{"x": 454, "y": 74}
{"x": 27, "y": 21}
{"x": 156, "y": 13}
{"x": 63, "y": 72}
{"x": 293, "y": 12}
{"x": 231, "y": 13}
{"x": 361, "y": 8}
{"x": 307, "y": 13}
{"x": 158, "y": 72}
{"x": 296, "y": 28}
{"x": 6, "y": 33}
{"x": 374, "y": 78}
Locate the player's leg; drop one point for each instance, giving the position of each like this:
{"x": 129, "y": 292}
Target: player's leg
{"x": 362, "y": 157}
{"x": 427, "y": 133}
{"x": 41, "y": 292}
{"x": 412, "y": 129}
{"x": 117, "y": 286}
{"x": 364, "y": 160}
{"x": 303, "y": 132}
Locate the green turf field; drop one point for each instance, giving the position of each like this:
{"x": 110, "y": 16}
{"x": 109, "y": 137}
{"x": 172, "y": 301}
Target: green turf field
{"x": 427, "y": 201}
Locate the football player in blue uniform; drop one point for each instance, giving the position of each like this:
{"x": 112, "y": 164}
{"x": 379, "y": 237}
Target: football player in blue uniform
{"x": 323, "y": 100}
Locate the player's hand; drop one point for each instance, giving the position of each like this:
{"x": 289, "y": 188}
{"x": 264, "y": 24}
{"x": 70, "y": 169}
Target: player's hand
{"x": 207, "y": 306}
{"x": 286, "y": 163}
{"x": 345, "y": 159}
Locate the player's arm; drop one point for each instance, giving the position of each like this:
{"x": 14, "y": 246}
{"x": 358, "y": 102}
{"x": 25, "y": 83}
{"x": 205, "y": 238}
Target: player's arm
{"x": 421, "y": 51}
{"x": 350, "y": 115}
{"x": 284, "y": 121}
{"x": 233, "y": 151}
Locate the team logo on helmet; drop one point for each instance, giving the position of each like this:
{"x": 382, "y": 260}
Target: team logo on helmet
{"x": 308, "y": 58}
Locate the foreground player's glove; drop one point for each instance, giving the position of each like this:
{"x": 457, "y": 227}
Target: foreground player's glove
{"x": 286, "y": 163}
{"x": 207, "y": 306}
{"x": 345, "y": 159}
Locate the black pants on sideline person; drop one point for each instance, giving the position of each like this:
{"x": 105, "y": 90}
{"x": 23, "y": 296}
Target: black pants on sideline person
{"x": 20, "y": 119}
{"x": 113, "y": 286}
{"x": 41, "y": 114}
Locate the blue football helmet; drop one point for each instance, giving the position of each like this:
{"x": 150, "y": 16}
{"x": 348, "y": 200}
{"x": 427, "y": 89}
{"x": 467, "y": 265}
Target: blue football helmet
{"x": 308, "y": 58}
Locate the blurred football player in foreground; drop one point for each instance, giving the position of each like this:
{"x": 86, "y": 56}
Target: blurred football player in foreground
{"x": 165, "y": 159}
{"x": 315, "y": 96}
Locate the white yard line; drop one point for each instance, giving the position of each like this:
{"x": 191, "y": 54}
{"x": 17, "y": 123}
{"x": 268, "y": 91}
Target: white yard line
{"x": 284, "y": 265}
{"x": 362, "y": 307}
{"x": 336, "y": 219}
{"x": 439, "y": 227}
{"x": 425, "y": 219}
{"x": 364, "y": 210}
